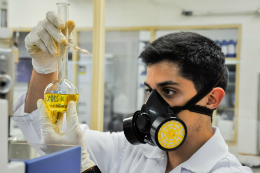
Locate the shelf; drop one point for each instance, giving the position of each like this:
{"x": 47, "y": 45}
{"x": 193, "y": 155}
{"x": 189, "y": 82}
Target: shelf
{"x": 231, "y": 143}
{"x": 231, "y": 58}
{"x": 225, "y": 109}
{"x": 232, "y": 61}
{"x": 232, "y": 84}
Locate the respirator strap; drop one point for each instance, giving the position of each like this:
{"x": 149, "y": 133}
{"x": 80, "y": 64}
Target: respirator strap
{"x": 201, "y": 110}
{"x": 196, "y": 108}
{"x": 202, "y": 93}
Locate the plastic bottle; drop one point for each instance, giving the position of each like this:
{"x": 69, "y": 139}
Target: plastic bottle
{"x": 224, "y": 47}
{"x": 231, "y": 49}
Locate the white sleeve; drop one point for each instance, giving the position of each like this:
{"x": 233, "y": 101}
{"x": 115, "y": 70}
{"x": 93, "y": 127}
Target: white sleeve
{"x": 29, "y": 124}
{"x": 105, "y": 148}
{"x": 242, "y": 169}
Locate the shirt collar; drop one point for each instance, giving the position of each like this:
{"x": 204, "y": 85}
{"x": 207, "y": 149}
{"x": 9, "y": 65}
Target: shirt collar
{"x": 210, "y": 153}
{"x": 152, "y": 152}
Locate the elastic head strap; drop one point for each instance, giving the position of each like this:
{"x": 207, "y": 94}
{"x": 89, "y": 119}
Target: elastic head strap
{"x": 202, "y": 93}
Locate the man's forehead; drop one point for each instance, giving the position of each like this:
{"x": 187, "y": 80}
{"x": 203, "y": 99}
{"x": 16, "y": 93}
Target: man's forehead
{"x": 166, "y": 72}
{"x": 163, "y": 69}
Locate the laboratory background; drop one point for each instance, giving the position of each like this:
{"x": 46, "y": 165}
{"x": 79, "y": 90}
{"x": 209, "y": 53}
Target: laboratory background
{"x": 110, "y": 81}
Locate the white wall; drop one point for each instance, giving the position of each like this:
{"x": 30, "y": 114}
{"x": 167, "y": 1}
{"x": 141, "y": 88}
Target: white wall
{"x": 27, "y": 13}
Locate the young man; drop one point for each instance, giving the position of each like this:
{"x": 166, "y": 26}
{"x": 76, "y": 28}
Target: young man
{"x": 178, "y": 67}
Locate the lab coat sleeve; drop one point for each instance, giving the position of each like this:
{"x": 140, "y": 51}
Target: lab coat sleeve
{"x": 106, "y": 149}
{"x": 241, "y": 169}
{"x": 28, "y": 123}
{"x": 230, "y": 164}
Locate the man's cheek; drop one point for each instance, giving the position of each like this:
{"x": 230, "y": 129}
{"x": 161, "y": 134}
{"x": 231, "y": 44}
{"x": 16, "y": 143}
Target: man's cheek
{"x": 185, "y": 117}
{"x": 190, "y": 121}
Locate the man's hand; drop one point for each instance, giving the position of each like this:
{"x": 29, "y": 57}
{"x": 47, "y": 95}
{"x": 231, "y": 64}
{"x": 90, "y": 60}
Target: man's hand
{"x": 42, "y": 42}
{"x": 51, "y": 134}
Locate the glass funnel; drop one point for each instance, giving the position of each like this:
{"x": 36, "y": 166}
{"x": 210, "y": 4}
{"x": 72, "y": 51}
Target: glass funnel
{"x": 60, "y": 91}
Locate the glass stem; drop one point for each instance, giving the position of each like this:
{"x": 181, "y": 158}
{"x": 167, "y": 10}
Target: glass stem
{"x": 62, "y": 67}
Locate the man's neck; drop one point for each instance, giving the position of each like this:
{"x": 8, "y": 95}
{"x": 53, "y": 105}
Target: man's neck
{"x": 189, "y": 147}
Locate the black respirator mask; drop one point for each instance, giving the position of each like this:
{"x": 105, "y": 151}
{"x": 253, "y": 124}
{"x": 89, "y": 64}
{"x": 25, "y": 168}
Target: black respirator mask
{"x": 157, "y": 122}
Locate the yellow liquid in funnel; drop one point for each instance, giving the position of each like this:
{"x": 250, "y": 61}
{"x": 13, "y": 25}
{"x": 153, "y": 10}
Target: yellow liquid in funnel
{"x": 59, "y": 102}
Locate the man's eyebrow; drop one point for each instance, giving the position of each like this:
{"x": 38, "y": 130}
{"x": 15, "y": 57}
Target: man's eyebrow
{"x": 146, "y": 84}
{"x": 167, "y": 83}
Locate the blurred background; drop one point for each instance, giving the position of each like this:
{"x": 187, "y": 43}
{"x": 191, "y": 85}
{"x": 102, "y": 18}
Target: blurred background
{"x": 130, "y": 25}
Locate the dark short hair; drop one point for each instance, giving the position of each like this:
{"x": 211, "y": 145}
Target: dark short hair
{"x": 198, "y": 58}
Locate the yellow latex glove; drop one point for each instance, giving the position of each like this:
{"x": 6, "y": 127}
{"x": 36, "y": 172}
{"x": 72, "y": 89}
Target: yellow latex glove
{"x": 51, "y": 134}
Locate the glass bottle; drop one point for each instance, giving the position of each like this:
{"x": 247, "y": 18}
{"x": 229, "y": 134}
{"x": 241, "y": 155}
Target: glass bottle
{"x": 60, "y": 91}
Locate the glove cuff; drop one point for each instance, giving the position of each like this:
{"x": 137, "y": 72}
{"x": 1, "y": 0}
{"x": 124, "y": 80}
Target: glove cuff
{"x": 93, "y": 169}
{"x": 45, "y": 65}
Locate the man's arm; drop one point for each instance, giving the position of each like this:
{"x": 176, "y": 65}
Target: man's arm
{"x": 36, "y": 89}
{"x": 41, "y": 44}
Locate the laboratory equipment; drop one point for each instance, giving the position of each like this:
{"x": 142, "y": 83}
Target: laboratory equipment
{"x": 218, "y": 43}
{"x": 231, "y": 51}
{"x": 224, "y": 47}
{"x": 41, "y": 158}
{"x": 21, "y": 157}
{"x": 60, "y": 91}
{"x": 76, "y": 47}
{"x": 6, "y": 85}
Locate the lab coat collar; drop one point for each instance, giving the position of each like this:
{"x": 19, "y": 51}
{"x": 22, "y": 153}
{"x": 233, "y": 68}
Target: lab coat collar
{"x": 202, "y": 161}
{"x": 155, "y": 153}
{"x": 152, "y": 152}
{"x": 208, "y": 155}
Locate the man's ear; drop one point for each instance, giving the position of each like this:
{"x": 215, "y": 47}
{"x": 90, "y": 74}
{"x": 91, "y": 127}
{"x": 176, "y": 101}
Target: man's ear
{"x": 215, "y": 97}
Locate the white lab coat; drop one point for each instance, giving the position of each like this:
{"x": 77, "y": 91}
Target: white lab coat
{"x": 113, "y": 154}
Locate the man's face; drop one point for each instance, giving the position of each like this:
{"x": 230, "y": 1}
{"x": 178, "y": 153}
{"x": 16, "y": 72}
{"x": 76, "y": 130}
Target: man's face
{"x": 176, "y": 91}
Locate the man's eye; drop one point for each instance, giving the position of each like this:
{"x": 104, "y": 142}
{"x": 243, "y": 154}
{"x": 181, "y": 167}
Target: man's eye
{"x": 148, "y": 90}
{"x": 169, "y": 92}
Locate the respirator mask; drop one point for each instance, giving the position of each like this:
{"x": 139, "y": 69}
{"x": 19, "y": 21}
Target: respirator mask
{"x": 157, "y": 122}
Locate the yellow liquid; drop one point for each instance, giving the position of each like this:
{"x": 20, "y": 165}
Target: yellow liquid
{"x": 59, "y": 102}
